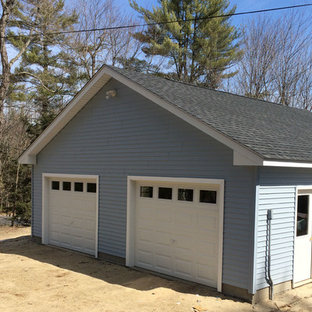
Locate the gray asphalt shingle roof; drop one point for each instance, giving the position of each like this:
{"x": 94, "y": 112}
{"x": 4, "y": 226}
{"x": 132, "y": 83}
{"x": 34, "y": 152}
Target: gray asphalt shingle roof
{"x": 271, "y": 130}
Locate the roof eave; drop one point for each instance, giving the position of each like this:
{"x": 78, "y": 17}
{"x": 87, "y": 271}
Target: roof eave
{"x": 286, "y": 164}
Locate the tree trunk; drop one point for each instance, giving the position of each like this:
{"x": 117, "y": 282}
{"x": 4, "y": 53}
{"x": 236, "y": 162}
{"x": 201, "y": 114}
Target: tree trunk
{"x": 93, "y": 60}
{"x": 15, "y": 195}
{"x": 6, "y": 68}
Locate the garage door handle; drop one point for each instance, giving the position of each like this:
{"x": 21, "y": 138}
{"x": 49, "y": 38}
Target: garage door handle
{"x": 172, "y": 241}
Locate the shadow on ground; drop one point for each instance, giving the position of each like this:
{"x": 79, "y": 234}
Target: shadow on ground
{"x": 295, "y": 300}
{"x": 100, "y": 269}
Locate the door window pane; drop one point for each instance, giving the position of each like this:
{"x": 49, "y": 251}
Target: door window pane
{"x": 209, "y": 197}
{"x": 78, "y": 187}
{"x": 66, "y": 186}
{"x": 302, "y": 215}
{"x": 146, "y": 191}
{"x": 55, "y": 185}
{"x": 165, "y": 192}
{"x": 91, "y": 187}
{"x": 185, "y": 194}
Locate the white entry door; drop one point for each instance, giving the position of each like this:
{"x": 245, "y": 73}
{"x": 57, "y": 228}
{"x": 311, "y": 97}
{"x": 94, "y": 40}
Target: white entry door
{"x": 303, "y": 250}
{"x": 177, "y": 230}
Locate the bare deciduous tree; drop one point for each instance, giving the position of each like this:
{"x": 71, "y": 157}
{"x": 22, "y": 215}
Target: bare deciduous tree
{"x": 277, "y": 61}
{"x": 254, "y": 76}
{"x": 14, "y": 179}
{"x": 95, "y": 48}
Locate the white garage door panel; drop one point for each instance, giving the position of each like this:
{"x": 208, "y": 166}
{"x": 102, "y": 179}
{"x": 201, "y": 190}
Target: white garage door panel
{"x": 72, "y": 218}
{"x": 175, "y": 237}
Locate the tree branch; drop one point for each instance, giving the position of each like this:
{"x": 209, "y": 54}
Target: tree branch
{"x": 19, "y": 54}
{"x": 36, "y": 77}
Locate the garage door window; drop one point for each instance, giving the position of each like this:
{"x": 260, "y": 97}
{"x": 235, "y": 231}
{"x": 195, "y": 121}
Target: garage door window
{"x": 146, "y": 191}
{"x": 78, "y": 187}
{"x": 91, "y": 187}
{"x": 66, "y": 186}
{"x": 185, "y": 194}
{"x": 55, "y": 185}
{"x": 165, "y": 192}
{"x": 207, "y": 196}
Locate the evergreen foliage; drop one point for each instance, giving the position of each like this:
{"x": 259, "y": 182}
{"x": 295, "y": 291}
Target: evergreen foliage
{"x": 198, "y": 49}
{"x": 49, "y": 72}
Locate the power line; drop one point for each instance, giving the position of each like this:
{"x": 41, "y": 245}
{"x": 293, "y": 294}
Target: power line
{"x": 164, "y": 22}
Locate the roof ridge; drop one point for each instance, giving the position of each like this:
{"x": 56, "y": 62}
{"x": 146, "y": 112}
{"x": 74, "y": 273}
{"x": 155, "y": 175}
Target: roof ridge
{"x": 211, "y": 89}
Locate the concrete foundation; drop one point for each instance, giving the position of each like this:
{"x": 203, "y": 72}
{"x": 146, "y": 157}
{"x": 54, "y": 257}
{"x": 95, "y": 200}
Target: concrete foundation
{"x": 36, "y": 239}
{"x": 237, "y": 292}
{"x": 112, "y": 259}
{"x": 259, "y": 296}
{"x": 263, "y": 294}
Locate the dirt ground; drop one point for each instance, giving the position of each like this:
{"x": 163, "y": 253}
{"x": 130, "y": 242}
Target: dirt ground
{"x": 34, "y": 277}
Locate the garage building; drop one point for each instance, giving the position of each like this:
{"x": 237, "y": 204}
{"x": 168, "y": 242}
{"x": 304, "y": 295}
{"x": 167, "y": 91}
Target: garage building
{"x": 180, "y": 180}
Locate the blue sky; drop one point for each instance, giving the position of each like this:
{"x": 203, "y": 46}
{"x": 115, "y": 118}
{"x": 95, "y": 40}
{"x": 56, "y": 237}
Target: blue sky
{"x": 242, "y": 5}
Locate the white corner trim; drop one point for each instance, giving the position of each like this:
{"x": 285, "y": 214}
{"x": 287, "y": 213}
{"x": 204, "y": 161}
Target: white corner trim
{"x": 45, "y": 190}
{"x": 268, "y": 163}
{"x": 255, "y": 239}
{"x": 131, "y": 189}
{"x": 94, "y": 85}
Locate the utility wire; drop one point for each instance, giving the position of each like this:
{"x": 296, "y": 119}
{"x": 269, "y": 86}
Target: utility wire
{"x": 164, "y": 22}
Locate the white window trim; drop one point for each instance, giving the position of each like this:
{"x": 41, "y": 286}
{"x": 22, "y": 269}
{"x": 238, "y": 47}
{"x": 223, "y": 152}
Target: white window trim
{"x": 45, "y": 190}
{"x": 131, "y": 192}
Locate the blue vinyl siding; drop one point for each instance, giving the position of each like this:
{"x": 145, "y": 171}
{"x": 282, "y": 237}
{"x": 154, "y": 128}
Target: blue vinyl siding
{"x": 129, "y": 135}
{"x": 277, "y": 191}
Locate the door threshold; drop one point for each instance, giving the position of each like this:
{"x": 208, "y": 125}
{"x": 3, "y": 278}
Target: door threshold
{"x": 301, "y": 283}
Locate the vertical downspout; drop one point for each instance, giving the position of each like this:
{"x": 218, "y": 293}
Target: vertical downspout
{"x": 268, "y": 254}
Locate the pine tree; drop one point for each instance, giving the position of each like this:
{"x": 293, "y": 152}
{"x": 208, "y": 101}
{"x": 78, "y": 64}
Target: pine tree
{"x": 199, "y": 49}
{"x": 46, "y": 69}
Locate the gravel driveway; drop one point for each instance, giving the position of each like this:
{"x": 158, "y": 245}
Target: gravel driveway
{"x": 34, "y": 277}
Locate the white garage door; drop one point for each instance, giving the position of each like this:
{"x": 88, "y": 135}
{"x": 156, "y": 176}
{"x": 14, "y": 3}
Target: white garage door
{"x": 71, "y": 214}
{"x": 177, "y": 230}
